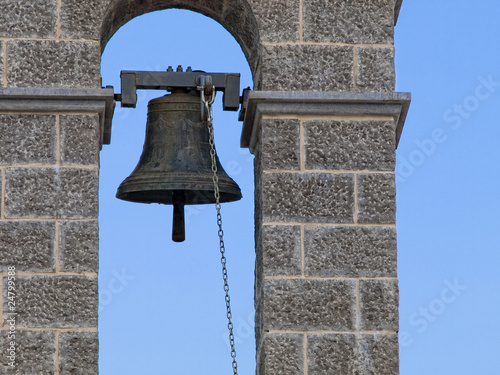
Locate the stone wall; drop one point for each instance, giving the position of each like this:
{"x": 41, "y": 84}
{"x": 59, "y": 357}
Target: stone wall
{"x": 326, "y": 287}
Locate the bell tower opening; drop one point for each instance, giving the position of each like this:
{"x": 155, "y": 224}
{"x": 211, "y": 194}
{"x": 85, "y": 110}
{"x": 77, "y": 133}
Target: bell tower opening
{"x": 161, "y": 304}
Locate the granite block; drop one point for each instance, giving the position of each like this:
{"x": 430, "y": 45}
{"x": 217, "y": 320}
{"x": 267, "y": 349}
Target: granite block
{"x": 34, "y": 352}
{"x": 332, "y": 354}
{"x": 56, "y": 301}
{"x": 379, "y": 304}
{"x": 349, "y": 21}
{"x": 376, "y": 198}
{"x": 350, "y": 252}
{"x": 51, "y": 193}
{"x": 278, "y": 20}
{"x": 375, "y": 70}
{"x": 348, "y": 354}
{"x": 280, "y": 250}
{"x": 350, "y": 145}
{"x": 379, "y": 354}
{"x": 280, "y": 142}
{"x": 2, "y": 46}
{"x": 80, "y": 139}
{"x": 27, "y": 139}
{"x": 64, "y": 64}
{"x": 281, "y": 353}
{"x": 307, "y": 67}
{"x": 301, "y": 304}
{"x": 82, "y": 19}
{"x": 78, "y": 351}
{"x": 29, "y": 246}
{"x": 79, "y": 246}
{"x": 307, "y": 197}
{"x": 28, "y": 19}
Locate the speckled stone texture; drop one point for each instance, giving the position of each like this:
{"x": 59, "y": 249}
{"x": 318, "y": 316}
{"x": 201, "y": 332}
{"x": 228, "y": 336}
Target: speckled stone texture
{"x": 79, "y": 246}
{"x": 376, "y": 198}
{"x": 350, "y": 252}
{"x": 375, "y": 70}
{"x": 56, "y": 301}
{"x": 51, "y": 193}
{"x": 307, "y": 67}
{"x": 349, "y": 21}
{"x": 62, "y": 64}
{"x": 27, "y": 18}
{"x": 29, "y": 246}
{"x": 278, "y": 19}
{"x": 27, "y": 139}
{"x": 2, "y": 45}
{"x": 331, "y": 354}
{"x": 300, "y": 304}
{"x": 280, "y": 144}
{"x": 34, "y": 352}
{"x": 349, "y": 145}
{"x": 379, "y": 304}
{"x": 80, "y": 138}
{"x": 281, "y": 354}
{"x": 350, "y": 355}
{"x": 308, "y": 197}
{"x": 82, "y": 19}
{"x": 78, "y": 353}
{"x": 280, "y": 253}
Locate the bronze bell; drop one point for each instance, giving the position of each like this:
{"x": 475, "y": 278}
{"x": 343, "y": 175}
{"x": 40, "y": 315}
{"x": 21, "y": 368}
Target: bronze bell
{"x": 175, "y": 166}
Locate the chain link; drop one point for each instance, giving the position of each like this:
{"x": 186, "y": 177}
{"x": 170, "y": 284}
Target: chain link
{"x": 208, "y": 108}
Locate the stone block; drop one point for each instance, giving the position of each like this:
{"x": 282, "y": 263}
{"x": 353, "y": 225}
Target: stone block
{"x": 278, "y": 20}
{"x": 376, "y": 198}
{"x": 56, "y": 301}
{"x": 280, "y": 142}
{"x": 34, "y": 352}
{"x": 82, "y": 19}
{"x": 307, "y": 67}
{"x": 307, "y": 197}
{"x": 349, "y": 21}
{"x": 51, "y": 193}
{"x": 379, "y": 303}
{"x": 28, "y": 19}
{"x": 348, "y": 354}
{"x": 350, "y": 145}
{"x": 2, "y": 46}
{"x": 64, "y": 64}
{"x": 280, "y": 250}
{"x": 379, "y": 354}
{"x": 332, "y": 354}
{"x": 78, "y": 351}
{"x": 79, "y": 246}
{"x": 375, "y": 70}
{"x": 80, "y": 139}
{"x": 350, "y": 252}
{"x": 29, "y": 246}
{"x": 302, "y": 304}
{"x": 281, "y": 354}
{"x": 27, "y": 139}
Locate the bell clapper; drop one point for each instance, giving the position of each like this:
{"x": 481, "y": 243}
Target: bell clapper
{"x": 178, "y": 229}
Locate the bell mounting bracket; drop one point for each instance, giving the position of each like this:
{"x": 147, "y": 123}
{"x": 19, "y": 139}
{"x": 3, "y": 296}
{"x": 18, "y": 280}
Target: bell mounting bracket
{"x": 228, "y": 83}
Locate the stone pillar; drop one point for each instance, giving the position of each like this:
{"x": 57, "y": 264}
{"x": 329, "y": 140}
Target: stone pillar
{"x": 324, "y": 132}
{"x": 49, "y": 175}
{"x": 326, "y": 288}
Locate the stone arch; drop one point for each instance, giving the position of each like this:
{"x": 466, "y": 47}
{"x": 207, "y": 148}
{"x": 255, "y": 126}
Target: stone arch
{"x": 235, "y": 16}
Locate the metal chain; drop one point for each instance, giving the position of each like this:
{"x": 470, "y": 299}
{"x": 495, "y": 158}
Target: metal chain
{"x": 209, "y": 113}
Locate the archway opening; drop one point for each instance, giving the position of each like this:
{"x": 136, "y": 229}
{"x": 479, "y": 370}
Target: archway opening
{"x": 162, "y": 304}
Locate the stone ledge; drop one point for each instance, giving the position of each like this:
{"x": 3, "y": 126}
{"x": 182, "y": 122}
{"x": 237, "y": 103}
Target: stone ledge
{"x": 316, "y": 103}
{"x": 49, "y": 100}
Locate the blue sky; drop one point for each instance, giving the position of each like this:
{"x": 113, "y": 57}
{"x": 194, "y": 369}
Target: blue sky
{"x": 162, "y": 304}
